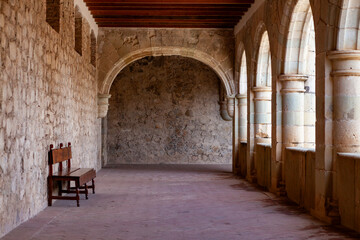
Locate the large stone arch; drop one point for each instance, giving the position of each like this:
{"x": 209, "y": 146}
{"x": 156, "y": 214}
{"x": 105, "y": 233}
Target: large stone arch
{"x": 203, "y": 57}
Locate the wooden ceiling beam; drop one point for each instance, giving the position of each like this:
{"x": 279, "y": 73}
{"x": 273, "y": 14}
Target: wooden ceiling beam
{"x": 163, "y": 25}
{"x": 111, "y": 13}
{"x": 175, "y": 21}
{"x": 163, "y": 8}
{"x": 168, "y": 13}
{"x": 173, "y": 1}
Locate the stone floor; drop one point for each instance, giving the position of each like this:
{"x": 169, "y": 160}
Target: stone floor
{"x": 175, "y": 202}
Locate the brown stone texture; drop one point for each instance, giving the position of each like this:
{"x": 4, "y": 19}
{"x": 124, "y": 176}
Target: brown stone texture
{"x": 47, "y": 96}
{"x": 165, "y": 110}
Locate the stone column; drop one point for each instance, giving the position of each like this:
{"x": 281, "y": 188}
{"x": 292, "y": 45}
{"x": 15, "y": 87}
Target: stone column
{"x": 346, "y": 130}
{"x": 293, "y": 109}
{"x": 262, "y": 107}
{"x": 346, "y": 82}
{"x": 242, "y": 104}
{"x": 103, "y": 105}
{"x": 233, "y": 112}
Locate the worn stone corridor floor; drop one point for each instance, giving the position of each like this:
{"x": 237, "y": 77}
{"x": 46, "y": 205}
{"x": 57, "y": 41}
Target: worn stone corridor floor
{"x": 175, "y": 202}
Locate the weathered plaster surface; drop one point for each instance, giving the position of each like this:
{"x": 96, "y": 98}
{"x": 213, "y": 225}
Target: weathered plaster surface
{"x": 165, "y": 110}
{"x": 48, "y": 95}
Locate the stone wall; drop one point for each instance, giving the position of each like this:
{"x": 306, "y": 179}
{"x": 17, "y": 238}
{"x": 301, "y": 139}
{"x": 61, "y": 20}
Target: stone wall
{"x": 165, "y": 110}
{"x": 119, "y": 47}
{"x": 47, "y": 96}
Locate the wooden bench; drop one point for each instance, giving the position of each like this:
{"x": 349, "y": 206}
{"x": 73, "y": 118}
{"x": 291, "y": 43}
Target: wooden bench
{"x": 80, "y": 176}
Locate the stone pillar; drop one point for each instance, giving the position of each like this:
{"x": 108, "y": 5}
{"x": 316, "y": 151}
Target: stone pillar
{"x": 233, "y": 111}
{"x": 242, "y": 104}
{"x": 346, "y": 126}
{"x": 293, "y": 109}
{"x": 103, "y": 105}
{"x": 346, "y": 83}
{"x": 262, "y": 107}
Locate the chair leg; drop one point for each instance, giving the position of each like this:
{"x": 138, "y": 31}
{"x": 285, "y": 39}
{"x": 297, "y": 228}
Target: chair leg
{"x": 93, "y": 185}
{"x": 86, "y": 192}
{"x": 77, "y": 193}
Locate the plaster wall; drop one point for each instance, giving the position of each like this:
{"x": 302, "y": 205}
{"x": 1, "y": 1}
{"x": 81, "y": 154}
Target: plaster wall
{"x": 166, "y": 110}
{"x": 47, "y": 96}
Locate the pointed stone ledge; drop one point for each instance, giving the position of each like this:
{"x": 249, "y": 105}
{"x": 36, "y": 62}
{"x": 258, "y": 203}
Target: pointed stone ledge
{"x": 293, "y": 83}
{"x": 103, "y": 105}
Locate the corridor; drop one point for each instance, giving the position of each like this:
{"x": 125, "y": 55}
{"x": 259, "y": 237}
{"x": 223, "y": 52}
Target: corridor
{"x": 175, "y": 202}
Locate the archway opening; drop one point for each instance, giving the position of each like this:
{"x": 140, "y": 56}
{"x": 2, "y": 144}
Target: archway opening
{"x": 243, "y": 99}
{"x": 300, "y": 61}
{"x": 165, "y": 110}
{"x": 262, "y": 92}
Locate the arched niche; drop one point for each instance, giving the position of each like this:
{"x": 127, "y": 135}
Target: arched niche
{"x": 203, "y": 57}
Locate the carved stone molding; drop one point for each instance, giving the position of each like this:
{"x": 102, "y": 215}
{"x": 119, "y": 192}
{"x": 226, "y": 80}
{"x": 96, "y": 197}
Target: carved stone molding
{"x": 103, "y": 105}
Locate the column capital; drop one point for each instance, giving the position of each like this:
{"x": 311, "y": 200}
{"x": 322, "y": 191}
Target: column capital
{"x": 261, "y": 89}
{"x": 229, "y": 97}
{"x": 293, "y": 77}
{"x": 345, "y": 62}
{"x": 241, "y": 96}
{"x": 262, "y": 93}
{"x": 293, "y": 83}
{"x": 103, "y": 105}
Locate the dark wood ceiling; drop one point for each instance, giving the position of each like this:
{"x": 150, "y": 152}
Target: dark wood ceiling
{"x": 168, "y": 13}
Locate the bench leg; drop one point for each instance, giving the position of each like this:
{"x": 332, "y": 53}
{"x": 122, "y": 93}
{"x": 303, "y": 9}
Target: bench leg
{"x": 50, "y": 187}
{"x": 86, "y": 192}
{"x": 93, "y": 185}
{"x": 60, "y": 188}
{"x": 77, "y": 193}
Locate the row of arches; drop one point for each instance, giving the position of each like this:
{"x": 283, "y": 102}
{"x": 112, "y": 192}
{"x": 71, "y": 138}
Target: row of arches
{"x": 303, "y": 101}
{"x": 300, "y": 63}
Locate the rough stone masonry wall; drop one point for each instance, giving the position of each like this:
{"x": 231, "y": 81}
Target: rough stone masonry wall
{"x": 165, "y": 110}
{"x": 47, "y": 96}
